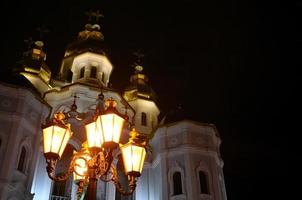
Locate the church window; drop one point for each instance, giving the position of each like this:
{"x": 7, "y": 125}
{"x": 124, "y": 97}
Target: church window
{"x": 82, "y": 72}
{"x": 203, "y": 182}
{"x": 21, "y": 164}
{"x": 69, "y": 75}
{"x": 177, "y": 184}
{"x": 144, "y": 119}
{"x": 103, "y": 77}
{"x": 93, "y": 72}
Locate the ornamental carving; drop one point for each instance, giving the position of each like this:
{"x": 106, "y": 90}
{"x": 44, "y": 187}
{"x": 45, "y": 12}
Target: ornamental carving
{"x": 173, "y": 142}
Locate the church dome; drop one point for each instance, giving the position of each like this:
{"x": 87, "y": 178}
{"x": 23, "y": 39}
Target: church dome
{"x": 139, "y": 86}
{"x": 13, "y": 77}
{"x": 85, "y": 59}
{"x": 91, "y": 39}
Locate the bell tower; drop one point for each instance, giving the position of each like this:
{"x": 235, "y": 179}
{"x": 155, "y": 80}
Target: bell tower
{"x": 85, "y": 60}
{"x": 142, "y": 99}
{"x": 33, "y": 66}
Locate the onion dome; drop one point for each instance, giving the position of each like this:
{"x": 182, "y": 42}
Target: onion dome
{"x": 33, "y": 63}
{"x": 91, "y": 39}
{"x": 139, "y": 87}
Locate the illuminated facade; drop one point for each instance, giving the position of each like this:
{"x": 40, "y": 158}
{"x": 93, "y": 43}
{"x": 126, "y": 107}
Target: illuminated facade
{"x": 184, "y": 164}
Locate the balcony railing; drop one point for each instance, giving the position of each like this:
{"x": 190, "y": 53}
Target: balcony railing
{"x": 54, "y": 197}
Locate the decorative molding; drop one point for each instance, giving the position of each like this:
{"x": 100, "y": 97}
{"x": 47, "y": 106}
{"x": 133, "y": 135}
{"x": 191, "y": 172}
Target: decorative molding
{"x": 205, "y": 197}
{"x": 173, "y": 142}
{"x": 179, "y": 197}
{"x": 6, "y": 103}
{"x": 202, "y": 167}
{"x": 20, "y": 120}
{"x": 186, "y": 150}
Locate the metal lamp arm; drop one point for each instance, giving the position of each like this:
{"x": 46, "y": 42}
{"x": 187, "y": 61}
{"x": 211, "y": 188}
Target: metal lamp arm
{"x": 104, "y": 162}
{"x": 115, "y": 180}
{"x": 50, "y": 168}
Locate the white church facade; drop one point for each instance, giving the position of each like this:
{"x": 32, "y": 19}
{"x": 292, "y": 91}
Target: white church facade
{"x": 185, "y": 161}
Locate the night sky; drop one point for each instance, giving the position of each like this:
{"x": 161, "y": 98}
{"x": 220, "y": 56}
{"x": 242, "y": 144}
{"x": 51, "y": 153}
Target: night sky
{"x": 230, "y": 63}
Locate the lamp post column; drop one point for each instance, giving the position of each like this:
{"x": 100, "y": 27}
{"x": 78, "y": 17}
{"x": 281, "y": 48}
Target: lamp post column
{"x": 92, "y": 185}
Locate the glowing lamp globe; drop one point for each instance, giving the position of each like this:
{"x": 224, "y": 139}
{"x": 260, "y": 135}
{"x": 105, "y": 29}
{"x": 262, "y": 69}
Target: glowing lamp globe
{"x": 111, "y": 123}
{"x": 55, "y": 136}
{"x": 133, "y": 157}
{"x": 94, "y": 135}
{"x": 80, "y": 167}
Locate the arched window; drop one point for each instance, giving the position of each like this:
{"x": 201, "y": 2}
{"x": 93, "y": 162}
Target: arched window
{"x": 93, "y": 72}
{"x": 144, "y": 119}
{"x": 203, "y": 182}
{"x": 103, "y": 77}
{"x": 176, "y": 178}
{"x": 177, "y": 184}
{"x": 69, "y": 75}
{"x": 21, "y": 164}
{"x": 82, "y": 72}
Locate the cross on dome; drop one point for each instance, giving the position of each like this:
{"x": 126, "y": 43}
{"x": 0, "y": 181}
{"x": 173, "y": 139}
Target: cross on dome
{"x": 42, "y": 30}
{"x": 96, "y": 14}
{"x": 29, "y": 42}
{"x": 138, "y": 56}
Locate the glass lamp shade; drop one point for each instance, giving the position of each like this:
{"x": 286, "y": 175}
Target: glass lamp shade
{"x": 111, "y": 125}
{"x": 133, "y": 158}
{"x": 106, "y": 130}
{"x": 55, "y": 138}
{"x": 80, "y": 167}
{"x": 94, "y": 135}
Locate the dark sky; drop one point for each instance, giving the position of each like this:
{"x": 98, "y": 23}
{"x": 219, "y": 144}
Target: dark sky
{"x": 230, "y": 63}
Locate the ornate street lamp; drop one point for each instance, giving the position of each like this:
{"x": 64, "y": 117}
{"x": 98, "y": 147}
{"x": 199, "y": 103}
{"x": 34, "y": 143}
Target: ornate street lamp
{"x": 134, "y": 153}
{"x": 56, "y": 134}
{"x": 105, "y": 130}
{"x": 95, "y": 160}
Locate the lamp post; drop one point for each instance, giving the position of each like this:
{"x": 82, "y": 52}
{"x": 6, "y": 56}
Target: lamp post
{"x": 95, "y": 160}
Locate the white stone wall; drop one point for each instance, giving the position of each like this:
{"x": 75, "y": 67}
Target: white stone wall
{"x": 186, "y": 147}
{"x": 152, "y": 112}
{"x": 21, "y": 115}
{"x": 88, "y": 60}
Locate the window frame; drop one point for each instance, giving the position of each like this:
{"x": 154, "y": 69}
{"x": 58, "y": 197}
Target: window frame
{"x": 176, "y": 168}
{"x": 24, "y": 164}
{"x": 206, "y": 176}
{"x": 26, "y": 144}
{"x": 95, "y": 73}
{"x": 144, "y": 119}
{"x": 82, "y": 72}
{"x": 174, "y": 185}
{"x": 202, "y": 167}
{"x": 103, "y": 77}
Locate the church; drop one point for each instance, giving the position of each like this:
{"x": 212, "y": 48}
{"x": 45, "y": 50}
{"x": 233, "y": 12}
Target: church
{"x": 184, "y": 162}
